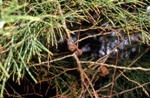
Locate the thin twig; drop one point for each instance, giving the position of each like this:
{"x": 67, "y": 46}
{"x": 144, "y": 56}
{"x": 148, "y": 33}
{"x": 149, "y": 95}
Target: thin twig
{"x": 104, "y": 58}
{"x": 51, "y": 61}
{"x": 128, "y": 90}
{"x": 90, "y": 83}
{"x": 144, "y": 90}
{"x": 14, "y": 90}
{"x": 81, "y": 71}
{"x": 63, "y": 21}
{"x": 125, "y": 69}
{"x": 40, "y": 95}
{"x": 118, "y": 67}
{"x": 83, "y": 76}
{"x": 87, "y": 88}
{"x": 69, "y": 69}
{"x": 113, "y": 76}
{"x": 91, "y": 36}
{"x": 49, "y": 84}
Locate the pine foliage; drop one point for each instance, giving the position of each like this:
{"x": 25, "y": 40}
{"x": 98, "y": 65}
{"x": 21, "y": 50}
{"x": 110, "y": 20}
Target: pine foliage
{"x": 37, "y": 48}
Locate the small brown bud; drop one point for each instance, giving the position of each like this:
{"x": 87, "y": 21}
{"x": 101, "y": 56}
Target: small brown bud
{"x": 78, "y": 52}
{"x": 1, "y": 48}
{"x": 104, "y": 71}
{"x": 72, "y": 47}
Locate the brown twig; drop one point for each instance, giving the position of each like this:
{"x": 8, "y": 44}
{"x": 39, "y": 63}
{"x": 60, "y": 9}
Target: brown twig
{"x": 113, "y": 76}
{"x": 91, "y": 36}
{"x": 104, "y": 58}
{"x": 51, "y": 61}
{"x": 83, "y": 76}
{"x": 144, "y": 90}
{"x": 63, "y": 21}
{"x": 125, "y": 69}
{"x": 14, "y": 90}
{"x": 90, "y": 83}
{"x": 128, "y": 90}
{"x": 31, "y": 94}
{"x": 125, "y": 91}
{"x": 118, "y": 67}
{"x": 49, "y": 84}
{"x": 68, "y": 69}
{"x": 81, "y": 71}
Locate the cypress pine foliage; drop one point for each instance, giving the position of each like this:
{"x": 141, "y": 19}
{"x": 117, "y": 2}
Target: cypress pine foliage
{"x": 74, "y": 48}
